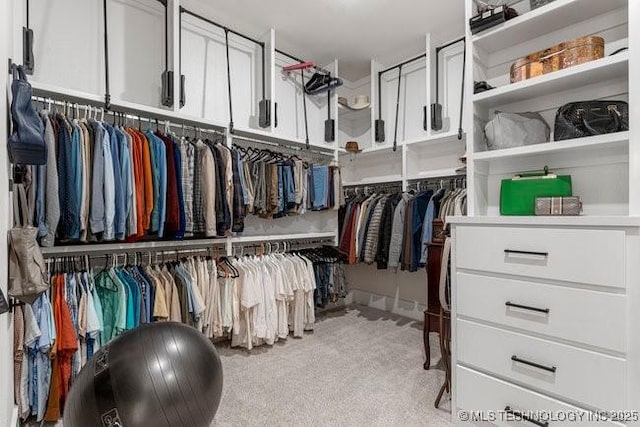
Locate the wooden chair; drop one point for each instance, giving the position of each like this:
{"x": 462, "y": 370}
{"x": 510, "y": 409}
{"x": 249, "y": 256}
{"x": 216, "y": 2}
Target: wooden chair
{"x": 445, "y": 320}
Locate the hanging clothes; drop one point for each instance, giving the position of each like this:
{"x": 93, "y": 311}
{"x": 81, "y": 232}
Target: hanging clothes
{"x": 394, "y": 230}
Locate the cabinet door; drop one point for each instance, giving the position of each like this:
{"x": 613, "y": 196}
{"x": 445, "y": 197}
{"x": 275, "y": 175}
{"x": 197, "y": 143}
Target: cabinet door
{"x": 69, "y": 50}
{"x": 204, "y": 66}
{"x": 291, "y": 115}
{"x": 288, "y": 97}
{"x": 450, "y": 86}
{"x": 411, "y": 104}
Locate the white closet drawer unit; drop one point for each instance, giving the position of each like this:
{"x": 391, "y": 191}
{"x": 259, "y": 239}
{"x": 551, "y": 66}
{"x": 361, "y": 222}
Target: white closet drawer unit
{"x": 591, "y": 378}
{"x": 580, "y": 315}
{"x": 479, "y": 392}
{"x": 593, "y": 257}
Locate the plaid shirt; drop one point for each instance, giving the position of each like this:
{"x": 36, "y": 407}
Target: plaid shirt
{"x": 197, "y": 213}
{"x": 187, "y": 151}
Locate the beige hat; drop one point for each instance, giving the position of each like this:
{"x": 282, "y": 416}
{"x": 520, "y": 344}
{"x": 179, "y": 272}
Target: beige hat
{"x": 352, "y": 147}
{"x": 360, "y": 103}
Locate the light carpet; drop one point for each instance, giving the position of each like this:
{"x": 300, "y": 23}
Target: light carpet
{"x": 359, "y": 367}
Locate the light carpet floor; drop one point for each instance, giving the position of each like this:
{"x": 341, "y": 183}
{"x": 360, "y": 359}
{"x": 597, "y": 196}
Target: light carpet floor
{"x": 359, "y": 367}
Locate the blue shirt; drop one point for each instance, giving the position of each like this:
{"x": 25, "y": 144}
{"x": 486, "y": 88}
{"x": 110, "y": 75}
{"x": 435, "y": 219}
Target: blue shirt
{"x": 161, "y": 163}
{"x": 120, "y": 217}
{"x": 427, "y": 226}
{"x": 419, "y": 210}
{"x": 96, "y": 219}
{"x": 39, "y": 362}
{"x": 109, "y": 187}
{"x": 177, "y": 155}
{"x": 320, "y": 187}
{"x": 155, "y": 174}
{"x": 125, "y": 173}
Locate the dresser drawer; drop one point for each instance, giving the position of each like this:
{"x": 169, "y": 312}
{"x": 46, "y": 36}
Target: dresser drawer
{"x": 585, "y": 316}
{"x": 585, "y": 256}
{"x": 479, "y": 392}
{"x": 580, "y": 375}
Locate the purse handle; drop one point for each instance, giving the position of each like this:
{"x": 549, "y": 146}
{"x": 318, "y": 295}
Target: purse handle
{"x": 613, "y": 111}
{"x": 21, "y": 209}
{"x": 18, "y": 72}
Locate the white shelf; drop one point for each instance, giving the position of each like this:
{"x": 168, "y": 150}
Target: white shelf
{"x": 354, "y": 115}
{"x": 607, "y": 68}
{"x": 173, "y": 245}
{"x": 115, "y": 247}
{"x": 611, "y": 140}
{"x": 373, "y": 180}
{"x": 544, "y": 20}
{"x": 378, "y": 149}
{"x": 577, "y": 221}
{"x": 265, "y": 136}
{"x": 280, "y": 237}
{"x": 46, "y": 90}
{"x": 437, "y": 173}
{"x": 435, "y": 139}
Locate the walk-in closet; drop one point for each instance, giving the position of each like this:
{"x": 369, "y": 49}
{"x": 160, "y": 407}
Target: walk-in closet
{"x": 338, "y": 213}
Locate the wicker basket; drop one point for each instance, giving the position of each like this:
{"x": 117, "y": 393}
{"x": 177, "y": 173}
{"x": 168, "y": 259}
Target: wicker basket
{"x": 537, "y": 3}
{"x": 558, "y": 57}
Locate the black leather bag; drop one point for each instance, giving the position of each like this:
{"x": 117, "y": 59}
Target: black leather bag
{"x": 26, "y": 143}
{"x": 589, "y": 118}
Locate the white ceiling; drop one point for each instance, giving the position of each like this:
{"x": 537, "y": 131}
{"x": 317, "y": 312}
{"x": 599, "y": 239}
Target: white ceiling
{"x": 352, "y": 31}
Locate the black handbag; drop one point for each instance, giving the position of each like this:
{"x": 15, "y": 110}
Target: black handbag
{"x": 26, "y": 143}
{"x": 589, "y": 118}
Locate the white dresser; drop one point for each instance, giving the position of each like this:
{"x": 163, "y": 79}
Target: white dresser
{"x": 546, "y": 317}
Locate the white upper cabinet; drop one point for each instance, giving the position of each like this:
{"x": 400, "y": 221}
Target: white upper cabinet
{"x": 290, "y": 106}
{"x": 69, "y": 47}
{"x": 204, "y": 65}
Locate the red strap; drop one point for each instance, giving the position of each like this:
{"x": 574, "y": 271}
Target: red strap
{"x": 300, "y": 66}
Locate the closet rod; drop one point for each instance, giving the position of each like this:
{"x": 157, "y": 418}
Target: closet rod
{"x": 288, "y": 55}
{"x": 297, "y": 149}
{"x": 402, "y": 64}
{"x": 376, "y": 184}
{"x": 43, "y": 95}
{"x": 135, "y": 118}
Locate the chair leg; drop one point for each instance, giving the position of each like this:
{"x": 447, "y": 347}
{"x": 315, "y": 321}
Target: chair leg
{"x": 445, "y": 354}
{"x": 440, "y": 394}
{"x": 425, "y": 338}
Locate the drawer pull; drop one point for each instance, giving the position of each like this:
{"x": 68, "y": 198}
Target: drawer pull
{"x": 526, "y": 307}
{"x": 535, "y": 365}
{"x": 513, "y": 251}
{"x": 523, "y": 417}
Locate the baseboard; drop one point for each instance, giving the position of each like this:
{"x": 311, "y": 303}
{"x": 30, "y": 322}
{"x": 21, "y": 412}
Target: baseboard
{"x": 410, "y": 309}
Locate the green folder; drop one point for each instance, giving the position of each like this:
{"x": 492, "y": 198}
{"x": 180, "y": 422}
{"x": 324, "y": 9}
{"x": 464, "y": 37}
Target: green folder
{"x": 518, "y": 194}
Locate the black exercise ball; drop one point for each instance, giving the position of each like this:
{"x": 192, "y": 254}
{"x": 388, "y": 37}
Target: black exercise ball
{"x": 157, "y": 375}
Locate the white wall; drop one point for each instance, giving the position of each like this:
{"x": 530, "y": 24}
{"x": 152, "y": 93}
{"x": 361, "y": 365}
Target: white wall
{"x": 399, "y": 292}
{"x": 6, "y": 327}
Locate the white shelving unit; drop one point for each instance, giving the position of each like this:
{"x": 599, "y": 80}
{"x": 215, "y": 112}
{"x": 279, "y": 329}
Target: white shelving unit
{"x": 555, "y": 16}
{"x": 555, "y": 302}
{"x": 599, "y": 165}
{"x": 608, "y": 68}
{"x": 420, "y": 154}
